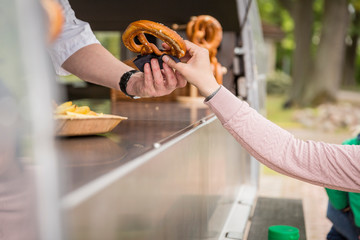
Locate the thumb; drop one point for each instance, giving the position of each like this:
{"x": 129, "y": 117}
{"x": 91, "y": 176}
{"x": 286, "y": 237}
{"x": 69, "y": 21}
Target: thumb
{"x": 172, "y": 63}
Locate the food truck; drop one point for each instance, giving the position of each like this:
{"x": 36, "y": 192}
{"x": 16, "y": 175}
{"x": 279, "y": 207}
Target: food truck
{"x": 167, "y": 170}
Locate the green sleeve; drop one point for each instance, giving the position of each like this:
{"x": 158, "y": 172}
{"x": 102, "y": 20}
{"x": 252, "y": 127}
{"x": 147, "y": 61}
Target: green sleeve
{"x": 352, "y": 141}
{"x": 338, "y": 199}
{"x": 355, "y": 206}
{"x": 354, "y": 198}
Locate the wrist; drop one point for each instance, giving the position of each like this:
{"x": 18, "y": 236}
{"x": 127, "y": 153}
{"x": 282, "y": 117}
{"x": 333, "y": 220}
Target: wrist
{"x": 131, "y": 86}
{"x": 209, "y": 89}
{"x": 208, "y": 98}
{"x": 125, "y": 83}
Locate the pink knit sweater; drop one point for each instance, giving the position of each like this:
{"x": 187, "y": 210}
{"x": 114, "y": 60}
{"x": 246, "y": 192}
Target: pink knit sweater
{"x": 328, "y": 165}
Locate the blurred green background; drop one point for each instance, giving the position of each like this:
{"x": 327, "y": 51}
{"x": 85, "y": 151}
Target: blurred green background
{"x": 318, "y": 54}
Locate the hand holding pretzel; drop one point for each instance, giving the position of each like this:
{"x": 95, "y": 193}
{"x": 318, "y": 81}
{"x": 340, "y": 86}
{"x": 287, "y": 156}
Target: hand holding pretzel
{"x": 156, "y": 80}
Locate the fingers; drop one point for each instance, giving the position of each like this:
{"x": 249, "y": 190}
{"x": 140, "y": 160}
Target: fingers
{"x": 181, "y": 80}
{"x": 165, "y": 46}
{"x": 190, "y": 45}
{"x": 158, "y": 77}
{"x": 180, "y": 70}
{"x": 193, "y": 49}
{"x": 172, "y": 63}
{"x": 159, "y": 82}
{"x": 148, "y": 78}
{"x": 186, "y": 58}
{"x": 169, "y": 76}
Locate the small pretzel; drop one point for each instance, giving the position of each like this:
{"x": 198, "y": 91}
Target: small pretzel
{"x": 165, "y": 34}
{"x": 55, "y": 17}
{"x": 206, "y": 31}
{"x": 217, "y": 70}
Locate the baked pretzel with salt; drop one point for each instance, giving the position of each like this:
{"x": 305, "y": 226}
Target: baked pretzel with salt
{"x": 140, "y": 28}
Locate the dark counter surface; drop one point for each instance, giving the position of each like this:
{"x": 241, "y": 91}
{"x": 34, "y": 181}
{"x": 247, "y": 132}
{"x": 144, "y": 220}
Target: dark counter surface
{"x": 85, "y": 158}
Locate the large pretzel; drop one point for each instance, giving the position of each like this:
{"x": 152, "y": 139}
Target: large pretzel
{"x": 206, "y": 31}
{"x": 165, "y": 34}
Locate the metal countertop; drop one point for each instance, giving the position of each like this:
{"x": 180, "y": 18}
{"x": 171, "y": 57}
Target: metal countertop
{"x": 83, "y": 159}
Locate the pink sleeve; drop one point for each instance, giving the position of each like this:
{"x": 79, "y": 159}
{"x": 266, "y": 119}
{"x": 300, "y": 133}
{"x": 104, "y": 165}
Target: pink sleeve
{"x": 328, "y": 165}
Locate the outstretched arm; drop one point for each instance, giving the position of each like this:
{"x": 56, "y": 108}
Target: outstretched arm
{"x": 328, "y": 165}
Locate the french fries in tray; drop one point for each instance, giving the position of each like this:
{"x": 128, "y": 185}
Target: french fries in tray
{"x": 73, "y": 120}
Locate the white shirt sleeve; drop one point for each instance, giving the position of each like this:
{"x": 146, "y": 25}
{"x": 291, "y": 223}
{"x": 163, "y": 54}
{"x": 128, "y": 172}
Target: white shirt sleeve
{"x": 75, "y": 35}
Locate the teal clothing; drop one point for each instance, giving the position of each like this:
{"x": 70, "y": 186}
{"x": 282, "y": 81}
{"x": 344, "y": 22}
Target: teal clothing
{"x": 352, "y": 141}
{"x": 340, "y": 199}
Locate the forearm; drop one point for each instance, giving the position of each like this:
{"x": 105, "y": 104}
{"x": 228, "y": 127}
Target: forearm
{"x": 95, "y": 64}
{"x": 330, "y": 165}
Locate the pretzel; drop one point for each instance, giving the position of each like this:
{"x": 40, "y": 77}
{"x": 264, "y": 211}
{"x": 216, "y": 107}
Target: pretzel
{"x": 165, "y": 34}
{"x": 218, "y": 70}
{"x": 55, "y": 17}
{"x": 206, "y": 31}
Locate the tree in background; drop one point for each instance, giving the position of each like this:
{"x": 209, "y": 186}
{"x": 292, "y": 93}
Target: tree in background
{"x": 318, "y": 54}
{"x": 349, "y": 70}
{"x": 326, "y": 71}
{"x": 302, "y": 14}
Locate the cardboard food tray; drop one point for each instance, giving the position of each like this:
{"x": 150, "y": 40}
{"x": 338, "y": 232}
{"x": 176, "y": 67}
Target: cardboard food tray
{"x": 85, "y": 125}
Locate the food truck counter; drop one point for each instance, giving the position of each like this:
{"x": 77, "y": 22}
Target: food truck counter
{"x": 149, "y": 125}
{"x": 170, "y": 171}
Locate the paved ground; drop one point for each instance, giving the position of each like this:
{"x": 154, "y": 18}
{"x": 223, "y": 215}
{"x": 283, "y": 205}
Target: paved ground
{"x": 349, "y": 96}
{"x": 314, "y": 198}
